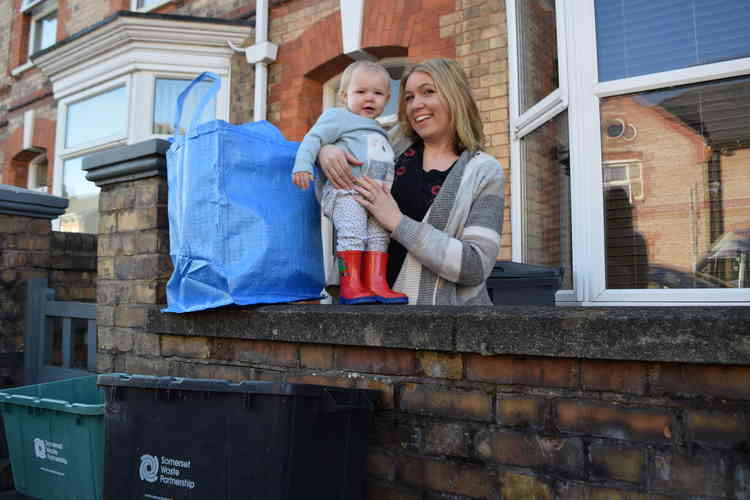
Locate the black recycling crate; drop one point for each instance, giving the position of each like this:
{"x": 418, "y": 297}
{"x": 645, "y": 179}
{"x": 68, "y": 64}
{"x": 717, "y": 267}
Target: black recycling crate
{"x": 173, "y": 438}
{"x": 513, "y": 283}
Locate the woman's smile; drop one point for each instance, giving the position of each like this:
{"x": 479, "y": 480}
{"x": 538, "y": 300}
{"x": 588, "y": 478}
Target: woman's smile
{"x": 426, "y": 109}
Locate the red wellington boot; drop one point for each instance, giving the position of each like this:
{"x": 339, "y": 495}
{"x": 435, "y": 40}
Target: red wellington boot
{"x": 375, "y": 270}
{"x": 351, "y": 289}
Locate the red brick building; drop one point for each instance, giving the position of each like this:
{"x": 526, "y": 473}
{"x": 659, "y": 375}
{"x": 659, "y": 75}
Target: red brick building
{"x": 627, "y": 174}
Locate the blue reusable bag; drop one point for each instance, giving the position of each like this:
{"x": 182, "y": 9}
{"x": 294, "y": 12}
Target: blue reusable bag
{"x": 240, "y": 231}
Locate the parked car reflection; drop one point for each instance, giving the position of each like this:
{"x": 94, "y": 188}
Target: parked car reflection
{"x": 725, "y": 265}
{"x": 727, "y": 259}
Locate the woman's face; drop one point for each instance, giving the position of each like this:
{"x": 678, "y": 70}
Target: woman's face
{"x": 426, "y": 110}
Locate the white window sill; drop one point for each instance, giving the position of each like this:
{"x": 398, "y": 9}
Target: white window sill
{"x": 20, "y": 69}
{"x": 151, "y": 7}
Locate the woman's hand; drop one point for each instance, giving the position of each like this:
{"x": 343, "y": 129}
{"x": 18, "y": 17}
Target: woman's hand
{"x": 379, "y": 202}
{"x": 337, "y": 165}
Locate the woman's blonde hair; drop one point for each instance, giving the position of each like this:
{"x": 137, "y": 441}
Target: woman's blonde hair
{"x": 370, "y": 66}
{"x": 453, "y": 86}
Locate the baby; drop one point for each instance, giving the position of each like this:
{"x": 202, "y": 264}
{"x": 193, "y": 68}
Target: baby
{"x": 361, "y": 244}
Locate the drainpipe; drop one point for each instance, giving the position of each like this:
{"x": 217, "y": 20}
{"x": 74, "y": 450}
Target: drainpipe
{"x": 261, "y": 55}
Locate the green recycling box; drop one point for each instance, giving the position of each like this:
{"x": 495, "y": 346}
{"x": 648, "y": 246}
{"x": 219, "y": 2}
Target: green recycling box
{"x": 55, "y": 434}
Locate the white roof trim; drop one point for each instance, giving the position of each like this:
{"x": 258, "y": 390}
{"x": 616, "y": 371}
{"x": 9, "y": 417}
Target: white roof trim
{"x": 143, "y": 41}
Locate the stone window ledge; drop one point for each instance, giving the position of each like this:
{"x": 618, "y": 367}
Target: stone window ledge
{"x": 675, "y": 334}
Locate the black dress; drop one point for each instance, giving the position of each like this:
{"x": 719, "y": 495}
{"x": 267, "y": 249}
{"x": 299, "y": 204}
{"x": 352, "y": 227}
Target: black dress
{"x": 414, "y": 191}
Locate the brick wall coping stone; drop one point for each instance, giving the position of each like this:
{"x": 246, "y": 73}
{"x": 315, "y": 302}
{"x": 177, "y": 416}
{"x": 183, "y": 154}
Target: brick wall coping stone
{"x": 679, "y": 334}
{"x": 19, "y": 201}
{"x": 128, "y": 163}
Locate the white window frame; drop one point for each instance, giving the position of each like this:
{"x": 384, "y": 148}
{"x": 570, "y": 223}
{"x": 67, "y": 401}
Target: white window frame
{"x": 62, "y": 152}
{"x": 538, "y": 115}
{"x": 33, "y": 174}
{"x": 586, "y": 154}
{"x": 145, "y": 100}
{"x": 140, "y": 96}
{"x": 134, "y": 5}
{"x": 35, "y": 18}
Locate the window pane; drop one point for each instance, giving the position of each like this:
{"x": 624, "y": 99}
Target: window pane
{"x": 677, "y": 187}
{"x": 147, "y": 3}
{"x": 547, "y": 197}
{"x": 166, "y": 93}
{"x": 637, "y": 37}
{"x": 38, "y": 174}
{"x": 45, "y": 31}
{"x": 82, "y": 215}
{"x": 98, "y": 118}
{"x": 537, "y": 51}
{"x": 391, "y": 108}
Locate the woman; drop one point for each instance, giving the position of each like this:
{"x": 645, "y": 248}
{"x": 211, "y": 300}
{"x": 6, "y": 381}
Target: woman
{"x": 445, "y": 209}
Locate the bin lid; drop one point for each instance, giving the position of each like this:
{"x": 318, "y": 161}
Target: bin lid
{"x": 219, "y": 385}
{"x": 78, "y": 396}
{"x": 515, "y": 270}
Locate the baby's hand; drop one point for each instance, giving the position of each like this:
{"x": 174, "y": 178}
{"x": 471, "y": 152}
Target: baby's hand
{"x": 302, "y": 179}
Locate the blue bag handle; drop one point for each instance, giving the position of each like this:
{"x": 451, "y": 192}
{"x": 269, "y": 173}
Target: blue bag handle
{"x": 212, "y": 91}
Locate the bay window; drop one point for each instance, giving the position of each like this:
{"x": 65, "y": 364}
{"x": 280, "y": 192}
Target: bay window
{"x": 124, "y": 90}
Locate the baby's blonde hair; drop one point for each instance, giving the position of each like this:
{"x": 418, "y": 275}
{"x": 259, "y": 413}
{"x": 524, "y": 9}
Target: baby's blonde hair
{"x": 366, "y": 65}
{"x": 453, "y": 86}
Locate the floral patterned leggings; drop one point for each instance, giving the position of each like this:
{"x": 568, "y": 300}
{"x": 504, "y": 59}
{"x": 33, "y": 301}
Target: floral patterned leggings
{"x": 356, "y": 229}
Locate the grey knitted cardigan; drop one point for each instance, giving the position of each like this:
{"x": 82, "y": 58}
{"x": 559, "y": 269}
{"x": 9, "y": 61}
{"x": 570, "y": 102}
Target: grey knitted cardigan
{"x": 452, "y": 251}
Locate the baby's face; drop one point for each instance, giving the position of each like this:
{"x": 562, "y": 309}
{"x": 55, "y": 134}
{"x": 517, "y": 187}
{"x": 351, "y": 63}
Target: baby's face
{"x": 367, "y": 93}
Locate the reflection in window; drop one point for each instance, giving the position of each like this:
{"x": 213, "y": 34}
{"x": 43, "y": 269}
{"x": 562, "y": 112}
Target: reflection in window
{"x": 82, "y": 215}
{"x": 637, "y": 38}
{"x": 98, "y": 118}
{"x": 626, "y": 175}
{"x": 391, "y": 108}
{"x": 677, "y": 187}
{"x": 537, "y": 47}
{"x": 547, "y": 197}
{"x": 43, "y": 33}
{"x": 166, "y": 92}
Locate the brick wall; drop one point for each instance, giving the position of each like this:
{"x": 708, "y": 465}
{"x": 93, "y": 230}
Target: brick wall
{"x": 24, "y": 244}
{"x": 133, "y": 265}
{"x": 463, "y": 425}
{"x": 485, "y": 402}
{"x": 24, "y": 251}
{"x": 72, "y": 270}
{"x": 29, "y": 250}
